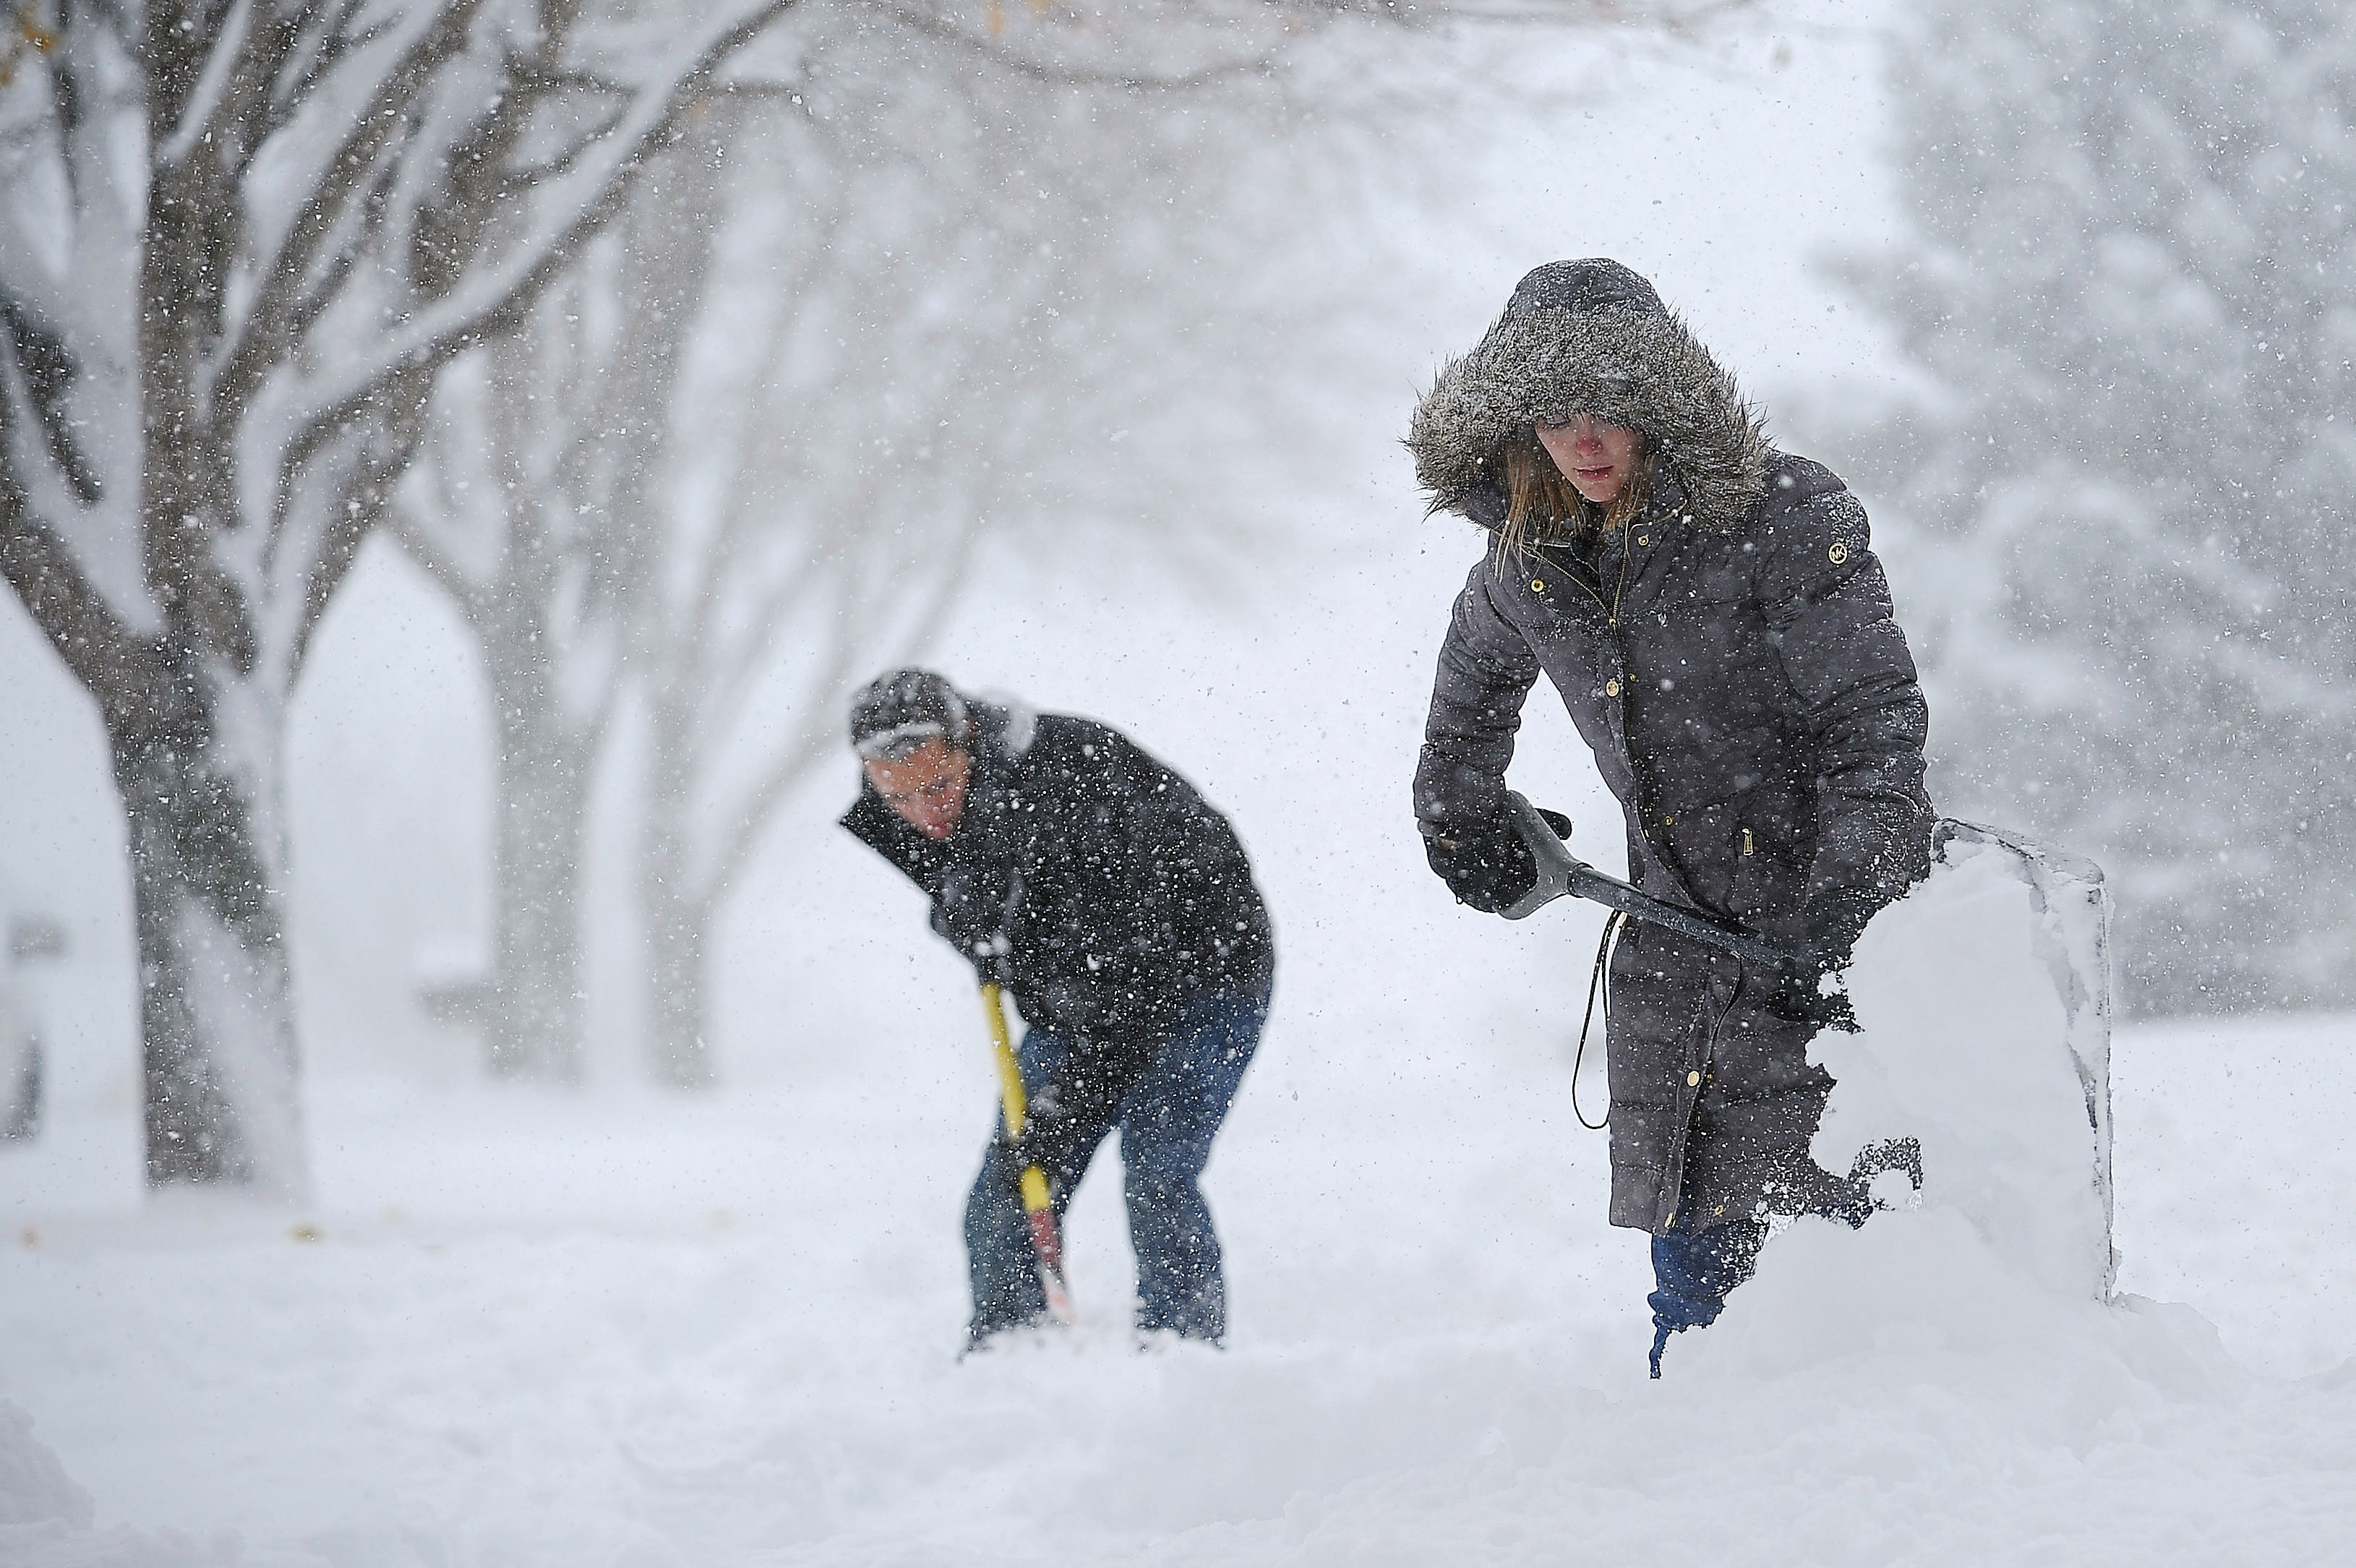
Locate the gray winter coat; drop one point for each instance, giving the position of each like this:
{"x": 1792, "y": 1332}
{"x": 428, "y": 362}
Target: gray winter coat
{"x": 1731, "y": 658}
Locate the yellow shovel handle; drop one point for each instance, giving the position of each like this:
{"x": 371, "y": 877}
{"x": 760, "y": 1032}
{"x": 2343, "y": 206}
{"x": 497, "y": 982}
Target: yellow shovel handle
{"x": 1009, "y": 1088}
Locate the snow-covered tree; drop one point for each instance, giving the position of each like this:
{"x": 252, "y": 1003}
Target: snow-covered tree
{"x": 2133, "y": 272}
{"x": 960, "y": 256}
{"x": 527, "y": 506}
{"x": 958, "y": 280}
{"x": 239, "y": 242}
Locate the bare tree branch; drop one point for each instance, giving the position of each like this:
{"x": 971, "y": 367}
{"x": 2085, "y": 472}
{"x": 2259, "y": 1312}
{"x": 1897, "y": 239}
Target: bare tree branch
{"x": 71, "y": 613}
{"x": 49, "y": 370}
{"x": 440, "y": 334}
{"x": 311, "y": 44}
{"x": 220, "y": 96}
{"x": 927, "y": 25}
{"x": 267, "y": 334}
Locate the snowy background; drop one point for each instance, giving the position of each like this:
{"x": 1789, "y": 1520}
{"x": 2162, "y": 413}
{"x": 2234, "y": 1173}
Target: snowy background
{"x": 617, "y": 1324}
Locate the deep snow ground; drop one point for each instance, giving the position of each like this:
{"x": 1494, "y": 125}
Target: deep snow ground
{"x": 636, "y": 1330}
{"x": 623, "y": 1328}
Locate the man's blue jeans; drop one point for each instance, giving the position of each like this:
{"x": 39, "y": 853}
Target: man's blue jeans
{"x": 1166, "y": 1123}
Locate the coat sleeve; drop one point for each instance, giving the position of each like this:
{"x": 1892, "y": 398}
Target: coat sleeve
{"x": 1829, "y": 617}
{"x": 1486, "y": 671}
{"x": 877, "y": 826}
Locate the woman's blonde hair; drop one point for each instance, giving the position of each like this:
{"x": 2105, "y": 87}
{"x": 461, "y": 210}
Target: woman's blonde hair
{"x": 1543, "y": 506}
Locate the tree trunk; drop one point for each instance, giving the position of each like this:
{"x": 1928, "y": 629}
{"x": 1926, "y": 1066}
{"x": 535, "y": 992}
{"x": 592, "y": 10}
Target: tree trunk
{"x": 198, "y": 774}
{"x": 534, "y": 1029}
{"x": 197, "y": 747}
{"x": 675, "y": 915}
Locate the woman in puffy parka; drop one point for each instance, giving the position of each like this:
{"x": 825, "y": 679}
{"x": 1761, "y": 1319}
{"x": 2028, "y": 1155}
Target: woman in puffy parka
{"x": 1710, "y": 612}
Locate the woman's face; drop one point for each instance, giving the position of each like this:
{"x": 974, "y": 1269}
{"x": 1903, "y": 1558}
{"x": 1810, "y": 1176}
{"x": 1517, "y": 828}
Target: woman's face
{"x": 1597, "y": 458}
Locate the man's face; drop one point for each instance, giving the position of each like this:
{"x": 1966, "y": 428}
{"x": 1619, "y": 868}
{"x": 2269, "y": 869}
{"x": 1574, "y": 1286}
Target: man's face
{"x": 926, "y": 787}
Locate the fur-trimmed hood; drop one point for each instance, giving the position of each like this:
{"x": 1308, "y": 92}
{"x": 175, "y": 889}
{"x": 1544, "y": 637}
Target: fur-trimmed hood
{"x": 1589, "y": 337}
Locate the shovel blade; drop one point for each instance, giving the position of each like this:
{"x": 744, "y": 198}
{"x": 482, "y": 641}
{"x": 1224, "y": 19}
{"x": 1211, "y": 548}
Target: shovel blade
{"x": 1048, "y": 1243}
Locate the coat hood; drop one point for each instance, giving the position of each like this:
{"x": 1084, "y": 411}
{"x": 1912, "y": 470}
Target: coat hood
{"x": 1589, "y": 337}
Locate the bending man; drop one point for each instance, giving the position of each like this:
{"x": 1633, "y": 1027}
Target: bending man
{"x": 1117, "y": 907}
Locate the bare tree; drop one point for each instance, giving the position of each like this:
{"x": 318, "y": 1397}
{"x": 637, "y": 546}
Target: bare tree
{"x": 962, "y": 258}
{"x": 240, "y": 240}
{"x": 526, "y": 508}
{"x": 527, "y": 572}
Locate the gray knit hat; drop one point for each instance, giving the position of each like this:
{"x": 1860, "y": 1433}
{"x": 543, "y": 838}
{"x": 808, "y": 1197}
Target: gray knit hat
{"x": 897, "y": 712}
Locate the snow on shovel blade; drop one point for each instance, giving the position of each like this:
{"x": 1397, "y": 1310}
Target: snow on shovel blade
{"x": 1984, "y": 1000}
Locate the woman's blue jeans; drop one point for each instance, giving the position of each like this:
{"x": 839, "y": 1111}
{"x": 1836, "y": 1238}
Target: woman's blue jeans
{"x": 1692, "y": 1271}
{"x": 1166, "y": 1123}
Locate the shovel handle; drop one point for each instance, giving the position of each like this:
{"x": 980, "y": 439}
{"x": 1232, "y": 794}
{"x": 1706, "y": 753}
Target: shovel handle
{"x": 1038, "y": 1203}
{"x": 1014, "y": 1105}
{"x": 1562, "y": 873}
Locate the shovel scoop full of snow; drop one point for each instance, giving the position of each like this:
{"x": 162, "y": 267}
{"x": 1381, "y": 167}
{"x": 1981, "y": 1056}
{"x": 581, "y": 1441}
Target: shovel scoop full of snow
{"x": 1982, "y": 1000}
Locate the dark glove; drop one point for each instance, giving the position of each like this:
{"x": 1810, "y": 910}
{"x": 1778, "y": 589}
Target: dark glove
{"x": 1045, "y": 1129}
{"x": 1830, "y": 927}
{"x": 1487, "y": 866}
{"x": 970, "y": 911}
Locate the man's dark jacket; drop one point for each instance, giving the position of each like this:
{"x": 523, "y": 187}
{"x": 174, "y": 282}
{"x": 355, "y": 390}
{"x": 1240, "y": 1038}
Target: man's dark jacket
{"x": 1731, "y": 658}
{"x": 1122, "y": 893}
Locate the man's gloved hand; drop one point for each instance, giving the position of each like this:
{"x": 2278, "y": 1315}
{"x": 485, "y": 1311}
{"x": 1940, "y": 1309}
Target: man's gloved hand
{"x": 1487, "y": 866}
{"x": 970, "y": 911}
{"x": 1045, "y": 1127}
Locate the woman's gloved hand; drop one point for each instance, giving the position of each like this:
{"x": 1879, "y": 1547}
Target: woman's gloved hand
{"x": 1487, "y": 866}
{"x": 1831, "y": 925}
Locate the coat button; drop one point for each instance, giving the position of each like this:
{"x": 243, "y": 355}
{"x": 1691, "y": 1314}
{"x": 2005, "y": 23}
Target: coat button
{"x": 1839, "y": 552}
{"x": 1538, "y": 585}
{"x": 1693, "y": 1081}
{"x": 1643, "y": 538}
{"x": 1611, "y": 687}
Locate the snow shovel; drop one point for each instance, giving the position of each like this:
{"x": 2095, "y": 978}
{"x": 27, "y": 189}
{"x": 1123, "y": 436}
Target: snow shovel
{"x": 1561, "y": 873}
{"x": 1038, "y": 1208}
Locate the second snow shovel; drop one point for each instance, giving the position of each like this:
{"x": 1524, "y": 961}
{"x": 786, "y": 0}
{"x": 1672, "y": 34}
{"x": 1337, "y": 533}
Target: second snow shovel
{"x": 1038, "y": 1204}
{"x": 1562, "y": 873}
